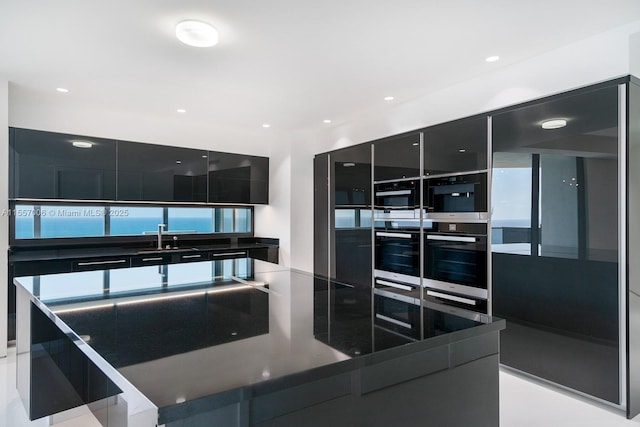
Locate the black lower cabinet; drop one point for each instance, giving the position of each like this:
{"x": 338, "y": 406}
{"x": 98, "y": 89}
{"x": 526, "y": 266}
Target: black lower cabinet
{"x": 562, "y": 320}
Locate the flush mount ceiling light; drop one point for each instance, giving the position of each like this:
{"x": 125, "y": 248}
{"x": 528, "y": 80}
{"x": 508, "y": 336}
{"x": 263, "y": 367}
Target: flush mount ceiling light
{"x": 266, "y": 125}
{"x": 196, "y": 33}
{"x": 327, "y": 121}
{"x": 62, "y": 90}
{"x": 554, "y": 124}
{"x": 493, "y": 58}
{"x": 82, "y": 144}
{"x": 462, "y": 150}
{"x": 181, "y": 110}
{"x": 348, "y": 165}
{"x": 389, "y": 98}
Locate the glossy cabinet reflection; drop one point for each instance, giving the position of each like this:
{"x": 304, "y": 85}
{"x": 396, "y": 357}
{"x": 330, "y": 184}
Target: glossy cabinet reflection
{"x": 459, "y": 146}
{"x": 237, "y": 178}
{"x": 151, "y": 172}
{"x": 397, "y": 157}
{"x": 46, "y": 165}
{"x": 555, "y": 240}
{"x": 350, "y": 177}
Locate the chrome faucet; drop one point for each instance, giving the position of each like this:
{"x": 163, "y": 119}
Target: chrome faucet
{"x": 160, "y": 228}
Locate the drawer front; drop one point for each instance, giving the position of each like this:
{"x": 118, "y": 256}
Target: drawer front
{"x": 100, "y": 264}
{"x": 34, "y": 268}
{"x": 150, "y": 259}
{"x": 227, "y": 254}
{"x": 192, "y": 257}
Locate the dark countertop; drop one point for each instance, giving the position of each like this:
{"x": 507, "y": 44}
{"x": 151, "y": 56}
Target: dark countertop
{"x": 21, "y": 255}
{"x": 222, "y": 330}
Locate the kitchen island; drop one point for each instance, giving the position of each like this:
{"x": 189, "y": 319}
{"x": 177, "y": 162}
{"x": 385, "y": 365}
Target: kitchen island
{"x": 244, "y": 342}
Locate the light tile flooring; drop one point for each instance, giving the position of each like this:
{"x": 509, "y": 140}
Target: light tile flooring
{"x": 523, "y": 403}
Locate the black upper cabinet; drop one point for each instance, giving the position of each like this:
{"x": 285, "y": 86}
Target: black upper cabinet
{"x": 397, "y": 157}
{"x": 47, "y": 165}
{"x": 453, "y": 147}
{"x": 237, "y": 178}
{"x": 161, "y": 173}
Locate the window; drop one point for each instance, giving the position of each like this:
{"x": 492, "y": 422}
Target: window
{"x": 68, "y": 221}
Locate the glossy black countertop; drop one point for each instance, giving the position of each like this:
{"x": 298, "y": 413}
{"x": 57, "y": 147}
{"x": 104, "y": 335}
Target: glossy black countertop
{"x": 221, "y": 329}
{"x": 101, "y": 251}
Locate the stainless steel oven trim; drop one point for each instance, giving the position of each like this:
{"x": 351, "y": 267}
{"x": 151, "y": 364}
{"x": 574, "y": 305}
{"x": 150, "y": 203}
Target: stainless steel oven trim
{"x": 394, "y": 285}
{"x": 394, "y": 321}
{"x": 467, "y": 314}
{"x": 393, "y": 193}
{"x": 398, "y": 277}
{"x": 452, "y": 298}
{"x": 388, "y": 181}
{"x": 458, "y": 215}
{"x": 445, "y": 175}
{"x": 398, "y": 235}
{"x": 396, "y": 296}
{"x": 447, "y": 238}
{"x": 455, "y": 287}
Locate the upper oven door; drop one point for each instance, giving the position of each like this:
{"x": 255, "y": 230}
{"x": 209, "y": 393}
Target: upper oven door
{"x": 398, "y": 251}
{"x": 397, "y": 199}
{"x": 457, "y": 196}
{"x": 456, "y": 263}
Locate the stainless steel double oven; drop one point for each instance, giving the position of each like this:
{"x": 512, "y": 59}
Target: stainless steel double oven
{"x": 430, "y": 250}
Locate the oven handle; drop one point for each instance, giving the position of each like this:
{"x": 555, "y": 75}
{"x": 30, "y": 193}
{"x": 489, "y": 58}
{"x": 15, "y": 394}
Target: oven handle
{"x": 398, "y": 235}
{"x": 393, "y": 285}
{"x": 393, "y": 193}
{"x": 452, "y": 238}
{"x": 452, "y": 297}
{"x": 394, "y": 321}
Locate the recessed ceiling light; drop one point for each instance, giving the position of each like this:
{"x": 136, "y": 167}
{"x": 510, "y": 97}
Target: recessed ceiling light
{"x": 462, "y": 150}
{"x": 348, "y": 164}
{"x": 196, "y": 33}
{"x": 62, "y": 90}
{"x": 266, "y": 125}
{"x": 82, "y": 144}
{"x": 415, "y": 144}
{"x": 326, "y": 121}
{"x": 554, "y": 124}
{"x": 204, "y": 157}
{"x": 178, "y": 162}
{"x": 181, "y": 110}
{"x": 389, "y": 98}
{"x": 492, "y": 58}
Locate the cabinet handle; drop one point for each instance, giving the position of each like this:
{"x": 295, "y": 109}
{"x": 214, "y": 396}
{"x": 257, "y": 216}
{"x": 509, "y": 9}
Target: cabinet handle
{"x": 230, "y": 253}
{"x": 191, "y": 256}
{"x": 152, "y": 259}
{"x": 118, "y": 261}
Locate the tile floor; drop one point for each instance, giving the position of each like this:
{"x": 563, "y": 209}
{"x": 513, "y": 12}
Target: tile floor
{"x": 523, "y": 403}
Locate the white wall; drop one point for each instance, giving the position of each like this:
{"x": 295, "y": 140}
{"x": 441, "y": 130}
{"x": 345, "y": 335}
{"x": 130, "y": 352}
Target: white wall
{"x": 69, "y": 114}
{"x": 4, "y": 206}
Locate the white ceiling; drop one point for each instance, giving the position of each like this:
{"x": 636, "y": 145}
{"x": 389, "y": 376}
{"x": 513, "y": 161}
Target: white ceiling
{"x": 290, "y": 63}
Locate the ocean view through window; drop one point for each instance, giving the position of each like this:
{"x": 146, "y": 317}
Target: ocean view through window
{"x": 67, "y": 221}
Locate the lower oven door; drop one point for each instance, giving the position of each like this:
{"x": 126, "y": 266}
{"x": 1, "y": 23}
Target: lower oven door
{"x": 397, "y": 314}
{"x": 456, "y": 263}
{"x": 398, "y": 252}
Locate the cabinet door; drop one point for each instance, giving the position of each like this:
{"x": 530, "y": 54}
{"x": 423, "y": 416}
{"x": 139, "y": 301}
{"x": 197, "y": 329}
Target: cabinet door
{"x": 48, "y": 165}
{"x": 397, "y": 157}
{"x": 459, "y": 146}
{"x": 161, "y": 173}
{"x": 237, "y": 178}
